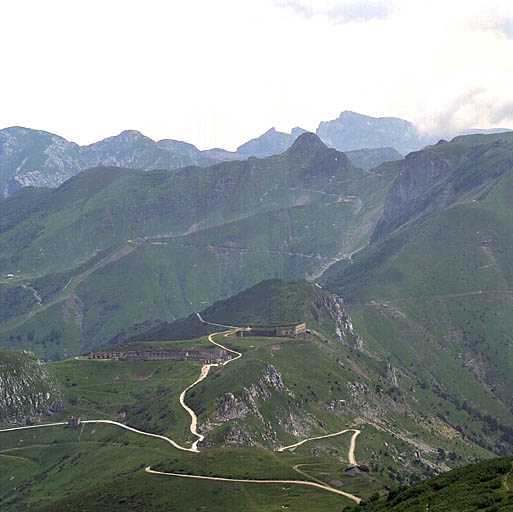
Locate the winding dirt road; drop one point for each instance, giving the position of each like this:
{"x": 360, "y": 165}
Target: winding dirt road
{"x": 204, "y": 372}
{"x": 110, "y": 422}
{"x": 250, "y": 481}
{"x": 351, "y": 456}
{"x": 194, "y": 424}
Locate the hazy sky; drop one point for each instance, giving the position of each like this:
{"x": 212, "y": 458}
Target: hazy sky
{"x": 219, "y": 72}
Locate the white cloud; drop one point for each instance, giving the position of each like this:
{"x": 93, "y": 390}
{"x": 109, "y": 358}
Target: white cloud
{"x": 219, "y": 73}
{"x": 341, "y": 11}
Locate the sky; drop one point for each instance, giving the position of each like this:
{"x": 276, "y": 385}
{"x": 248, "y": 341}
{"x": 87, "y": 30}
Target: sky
{"x": 218, "y": 73}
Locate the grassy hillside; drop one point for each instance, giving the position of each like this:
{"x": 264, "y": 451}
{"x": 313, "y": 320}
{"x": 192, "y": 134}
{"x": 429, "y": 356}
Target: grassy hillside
{"x": 186, "y": 238}
{"x": 275, "y": 301}
{"x": 289, "y": 390}
{"x": 436, "y": 296}
{"x": 484, "y": 486}
{"x": 279, "y": 392}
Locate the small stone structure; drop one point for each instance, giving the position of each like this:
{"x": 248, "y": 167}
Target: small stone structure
{"x": 274, "y": 330}
{"x": 202, "y": 355}
{"x": 74, "y": 421}
{"x": 354, "y": 469}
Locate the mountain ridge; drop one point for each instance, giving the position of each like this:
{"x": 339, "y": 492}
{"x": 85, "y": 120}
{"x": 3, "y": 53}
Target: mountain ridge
{"x": 37, "y": 158}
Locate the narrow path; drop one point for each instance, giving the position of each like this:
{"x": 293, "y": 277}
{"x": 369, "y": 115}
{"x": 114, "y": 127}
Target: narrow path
{"x": 110, "y": 422}
{"x": 59, "y": 297}
{"x": 194, "y": 419}
{"x": 200, "y": 318}
{"x": 126, "y": 427}
{"x": 324, "y": 268}
{"x": 33, "y": 426}
{"x": 379, "y": 301}
{"x": 250, "y": 481}
{"x": 262, "y": 251}
{"x": 506, "y": 476}
{"x": 302, "y": 473}
{"x": 296, "y": 468}
{"x": 34, "y": 292}
{"x": 204, "y": 372}
{"x": 351, "y": 456}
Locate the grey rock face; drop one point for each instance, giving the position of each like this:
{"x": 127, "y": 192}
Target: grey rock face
{"x": 271, "y": 142}
{"x": 352, "y": 131}
{"x": 420, "y": 171}
{"x": 30, "y": 157}
{"x": 344, "y": 332}
{"x": 40, "y": 159}
{"x": 27, "y": 391}
{"x": 37, "y": 158}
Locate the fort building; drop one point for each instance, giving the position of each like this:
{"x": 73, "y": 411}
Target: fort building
{"x": 202, "y": 355}
{"x": 274, "y": 330}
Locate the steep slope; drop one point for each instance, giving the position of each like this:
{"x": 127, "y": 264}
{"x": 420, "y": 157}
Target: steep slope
{"x": 436, "y": 293}
{"x": 269, "y": 414}
{"x": 133, "y": 150}
{"x": 186, "y": 237}
{"x": 439, "y": 175}
{"x": 41, "y": 159}
{"x": 352, "y": 131}
{"x": 484, "y": 486}
{"x": 387, "y": 390}
{"x": 35, "y": 158}
{"x": 29, "y": 391}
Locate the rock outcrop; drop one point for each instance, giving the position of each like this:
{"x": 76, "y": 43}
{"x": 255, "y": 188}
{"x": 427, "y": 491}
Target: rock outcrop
{"x": 28, "y": 392}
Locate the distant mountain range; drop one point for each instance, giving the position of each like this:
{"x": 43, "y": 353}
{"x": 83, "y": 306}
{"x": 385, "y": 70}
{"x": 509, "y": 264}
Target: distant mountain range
{"x": 41, "y": 159}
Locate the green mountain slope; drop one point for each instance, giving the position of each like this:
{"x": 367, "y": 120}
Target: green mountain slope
{"x": 439, "y": 176}
{"x": 279, "y": 392}
{"x": 484, "y": 486}
{"x": 436, "y": 292}
{"x": 186, "y": 238}
{"x": 274, "y": 301}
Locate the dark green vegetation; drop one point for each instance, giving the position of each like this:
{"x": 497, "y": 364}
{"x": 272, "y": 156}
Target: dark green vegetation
{"x": 101, "y": 467}
{"x": 114, "y": 247}
{"x": 486, "y": 486}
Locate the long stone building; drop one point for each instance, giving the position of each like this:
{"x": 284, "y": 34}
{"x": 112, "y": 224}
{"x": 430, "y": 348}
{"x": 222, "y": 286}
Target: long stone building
{"x": 273, "y": 330}
{"x": 202, "y": 355}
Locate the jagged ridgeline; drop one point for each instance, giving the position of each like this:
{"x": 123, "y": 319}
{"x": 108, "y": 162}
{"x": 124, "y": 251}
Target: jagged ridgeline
{"x": 29, "y": 392}
{"x": 41, "y": 159}
{"x": 112, "y": 247}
